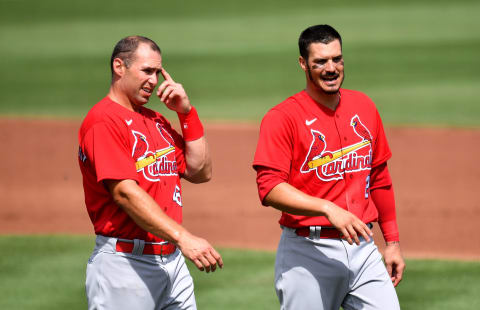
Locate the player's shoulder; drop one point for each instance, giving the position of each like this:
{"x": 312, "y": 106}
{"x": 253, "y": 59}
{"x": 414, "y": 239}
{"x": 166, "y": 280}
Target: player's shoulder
{"x": 105, "y": 111}
{"x": 287, "y": 107}
{"x": 357, "y": 96}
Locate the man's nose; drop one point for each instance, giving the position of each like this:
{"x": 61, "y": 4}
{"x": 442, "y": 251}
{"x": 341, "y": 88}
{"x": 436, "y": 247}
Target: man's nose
{"x": 153, "y": 79}
{"x": 330, "y": 66}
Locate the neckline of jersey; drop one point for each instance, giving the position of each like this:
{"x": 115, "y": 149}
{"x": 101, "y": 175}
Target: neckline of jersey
{"x": 325, "y": 109}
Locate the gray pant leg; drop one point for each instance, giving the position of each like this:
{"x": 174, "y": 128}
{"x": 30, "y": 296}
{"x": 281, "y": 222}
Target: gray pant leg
{"x": 119, "y": 282}
{"x": 310, "y": 274}
{"x": 126, "y": 281}
{"x": 371, "y": 288}
{"x": 182, "y": 294}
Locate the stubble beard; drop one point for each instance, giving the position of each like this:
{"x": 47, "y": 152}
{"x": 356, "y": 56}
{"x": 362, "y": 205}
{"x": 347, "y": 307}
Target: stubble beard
{"x": 327, "y": 92}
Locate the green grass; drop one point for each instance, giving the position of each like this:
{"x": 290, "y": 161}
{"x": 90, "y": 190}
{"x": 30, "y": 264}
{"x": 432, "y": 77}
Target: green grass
{"x": 48, "y": 272}
{"x": 417, "y": 60}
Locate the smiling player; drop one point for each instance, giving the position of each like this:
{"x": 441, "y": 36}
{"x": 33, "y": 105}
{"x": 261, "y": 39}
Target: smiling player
{"x": 321, "y": 159}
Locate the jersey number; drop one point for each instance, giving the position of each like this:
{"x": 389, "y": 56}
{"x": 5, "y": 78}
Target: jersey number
{"x": 177, "y": 197}
{"x": 367, "y": 186}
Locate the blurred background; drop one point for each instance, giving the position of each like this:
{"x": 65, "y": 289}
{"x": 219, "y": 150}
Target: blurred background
{"x": 418, "y": 60}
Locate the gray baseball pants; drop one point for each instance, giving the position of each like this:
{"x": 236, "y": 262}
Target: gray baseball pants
{"x": 324, "y": 274}
{"x": 127, "y": 281}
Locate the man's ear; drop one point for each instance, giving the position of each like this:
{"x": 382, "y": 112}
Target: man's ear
{"x": 119, "y": 67}
{"x": 303, "y": 63}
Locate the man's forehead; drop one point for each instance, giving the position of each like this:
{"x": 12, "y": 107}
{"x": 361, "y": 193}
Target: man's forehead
{"x": 145, "y": 56}
{"x": 319, "y": 49}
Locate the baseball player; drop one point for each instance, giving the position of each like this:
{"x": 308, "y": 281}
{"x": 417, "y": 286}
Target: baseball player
{"x": 131, "y": 162}
{"x": 321, "y": 159}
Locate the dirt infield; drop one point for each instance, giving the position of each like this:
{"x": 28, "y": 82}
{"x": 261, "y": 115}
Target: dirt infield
{"x": 434, "y": 171}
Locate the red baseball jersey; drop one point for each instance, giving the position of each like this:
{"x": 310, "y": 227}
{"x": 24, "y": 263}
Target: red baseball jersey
{"x": 326, "y": 154}
{"x": 116, "y": 143}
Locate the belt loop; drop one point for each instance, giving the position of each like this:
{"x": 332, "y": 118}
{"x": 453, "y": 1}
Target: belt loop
{"x": 312, "y": 232}
{"x": 315, "y": 232}
{"x": 138, "y": 246}
{"x": 318, "y": 229}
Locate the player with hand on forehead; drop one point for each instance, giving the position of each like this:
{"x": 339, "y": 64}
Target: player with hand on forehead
{"x": 321, "y": 159}
{"x": 131, "y": 161}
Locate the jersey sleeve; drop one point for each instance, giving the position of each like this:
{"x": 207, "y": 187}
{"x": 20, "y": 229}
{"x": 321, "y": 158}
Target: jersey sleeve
{"x": 383, "y": 197}
{"x": 107, "y": 151}
{"x": 275, "y": 142}
{"x": 267, "y": 179}
{"x": 381, "y": 152}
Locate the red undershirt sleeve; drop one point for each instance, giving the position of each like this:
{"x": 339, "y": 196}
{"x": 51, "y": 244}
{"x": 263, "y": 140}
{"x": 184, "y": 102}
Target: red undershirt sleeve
{"x": 383, "y": 197}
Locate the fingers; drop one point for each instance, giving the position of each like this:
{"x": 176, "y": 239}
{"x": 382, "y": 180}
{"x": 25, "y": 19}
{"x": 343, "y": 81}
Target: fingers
{"x": 165, "y": 97}
{"x": 398, "y": 273}
{"x": 365, "y": 231}
{"x": 208, "y": 261}
{"x": 217, "y": 257}
{"x": 163, "y": 86}
{"x": 352, "y": 233}
{"x": 348, "y": 224}
{"x": 201, "y": 253}
{"x": 165, "y": 75}
{"x": 390, "y": 270}
{"x": 394, "y": 262}
{"x": 198, "y": 264}
{"x": 347, "y": 236}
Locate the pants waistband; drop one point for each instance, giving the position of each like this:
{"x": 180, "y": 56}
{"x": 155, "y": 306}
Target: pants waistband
{"x": 136, "y": 246}
{"x": 322, "y": 232}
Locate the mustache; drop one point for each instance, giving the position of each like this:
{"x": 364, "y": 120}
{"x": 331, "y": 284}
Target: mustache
{"x": 330, "y": 75}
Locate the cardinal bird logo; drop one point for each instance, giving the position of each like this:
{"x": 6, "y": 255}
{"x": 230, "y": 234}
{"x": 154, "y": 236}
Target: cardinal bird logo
{"x": 156, "y": 162}
{"x": 140, "y": 148}
{"x": 333, "y": 165}
{"x": 360, "y": 129}
{"x": 317, "y": 149}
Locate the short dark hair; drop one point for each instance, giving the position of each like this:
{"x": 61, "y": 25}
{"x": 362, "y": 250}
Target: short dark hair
{"x": 126, "y": 47}
{"x": 317, "y": 34}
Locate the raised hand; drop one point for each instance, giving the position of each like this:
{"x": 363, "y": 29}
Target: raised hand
{"x": 173, "y": 94}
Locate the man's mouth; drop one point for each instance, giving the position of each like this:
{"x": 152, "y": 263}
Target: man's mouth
{"x": 147, "y": 90}
{"x": 329, "y": 78}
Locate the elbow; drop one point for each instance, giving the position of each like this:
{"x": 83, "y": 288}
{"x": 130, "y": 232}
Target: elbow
{"x": 121, "y": 191}
{"x": 202, "y": 177}
{"x": 120, "y": 197}
{"x": 206, "y": 178}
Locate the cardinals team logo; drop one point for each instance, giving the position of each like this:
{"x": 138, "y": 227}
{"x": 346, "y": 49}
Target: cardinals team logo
{"x": 154, "y": 163}
{"x": 331, "y": 165}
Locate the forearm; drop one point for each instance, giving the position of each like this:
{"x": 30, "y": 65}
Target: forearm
{"x": 197, "y": 155}
{"x": 287, "y": 198}
{"x": 144, "y": 211}
{"x": 383, "y": 197}
{"x": 198, "y": 160}
{"x": 384, "y": 200}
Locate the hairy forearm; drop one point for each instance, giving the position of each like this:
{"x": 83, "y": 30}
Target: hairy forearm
{"x": 287, "y": 198}
{"x": 144, "y": 211}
